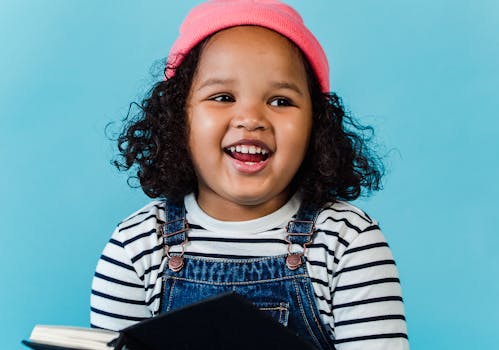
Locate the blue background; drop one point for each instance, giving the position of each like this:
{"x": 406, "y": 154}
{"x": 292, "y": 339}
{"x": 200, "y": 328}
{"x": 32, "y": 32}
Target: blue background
{"x": 424, "y": 73}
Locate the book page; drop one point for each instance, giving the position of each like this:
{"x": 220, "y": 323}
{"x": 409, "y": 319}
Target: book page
{"x": 73, "y": 337}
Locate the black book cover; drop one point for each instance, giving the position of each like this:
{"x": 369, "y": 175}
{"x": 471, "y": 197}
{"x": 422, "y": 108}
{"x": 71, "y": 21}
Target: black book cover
{"x": 226, "y": 321}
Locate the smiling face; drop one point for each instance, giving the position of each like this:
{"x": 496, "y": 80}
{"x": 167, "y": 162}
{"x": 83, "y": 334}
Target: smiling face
{"x": 249, "y": 117}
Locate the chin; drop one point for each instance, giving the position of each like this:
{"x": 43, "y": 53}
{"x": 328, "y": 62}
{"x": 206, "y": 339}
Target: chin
{"x": 252, "y": 200}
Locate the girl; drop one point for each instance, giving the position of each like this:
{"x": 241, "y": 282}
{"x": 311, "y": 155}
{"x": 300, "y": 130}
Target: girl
{"x": 250, "y": 158}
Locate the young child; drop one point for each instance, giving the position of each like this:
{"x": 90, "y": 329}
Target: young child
{"x": 250, "y": 158}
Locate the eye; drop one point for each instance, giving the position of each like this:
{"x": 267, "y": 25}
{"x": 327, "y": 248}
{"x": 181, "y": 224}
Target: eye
{"x": 224, "y": 98}
{"x": 281, "y": 102}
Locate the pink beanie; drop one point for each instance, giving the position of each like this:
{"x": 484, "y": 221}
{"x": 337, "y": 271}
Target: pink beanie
{"x": 215, "y": 15}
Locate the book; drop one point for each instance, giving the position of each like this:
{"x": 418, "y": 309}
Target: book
{"x": 226, "y": 321}
{"x": 45, "y": 337}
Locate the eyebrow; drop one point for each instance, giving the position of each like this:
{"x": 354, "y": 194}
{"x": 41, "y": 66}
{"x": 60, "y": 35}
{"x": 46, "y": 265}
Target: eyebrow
{"x": 215, "y": 81}
{"x": 275, "y": 84}
{"x": 287, "y": 85}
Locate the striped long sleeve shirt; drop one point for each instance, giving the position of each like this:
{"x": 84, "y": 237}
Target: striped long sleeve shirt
{"x": 353, "y": 274}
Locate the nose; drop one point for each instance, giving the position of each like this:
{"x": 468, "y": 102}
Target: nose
{"x": 250, "y": 117}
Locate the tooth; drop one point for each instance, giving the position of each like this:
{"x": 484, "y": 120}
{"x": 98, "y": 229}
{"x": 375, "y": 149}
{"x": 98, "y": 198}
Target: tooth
{"x": 264, "y": 151}
{"x": 249, "y": 163}
{"x": 232, "y": 149}
{"x": 244, "y": 149}
{"x": 238, "y": 148}
{"x": 252, "y": 150}
{"x": 258, "y": 150}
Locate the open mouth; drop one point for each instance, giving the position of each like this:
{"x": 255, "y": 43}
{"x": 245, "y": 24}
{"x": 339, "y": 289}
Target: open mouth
{"x": 248, "y": 153}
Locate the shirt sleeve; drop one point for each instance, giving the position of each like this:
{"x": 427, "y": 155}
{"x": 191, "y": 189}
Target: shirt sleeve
{"x": 367, "y": 301}
{"x": 118, "y": 297}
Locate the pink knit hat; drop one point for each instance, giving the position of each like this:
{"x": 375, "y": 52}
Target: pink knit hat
{"x": 215, "y": 15}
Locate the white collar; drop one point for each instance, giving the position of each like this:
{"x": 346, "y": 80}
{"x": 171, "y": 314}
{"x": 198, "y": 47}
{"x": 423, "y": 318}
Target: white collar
{"x": 278, "y": 218}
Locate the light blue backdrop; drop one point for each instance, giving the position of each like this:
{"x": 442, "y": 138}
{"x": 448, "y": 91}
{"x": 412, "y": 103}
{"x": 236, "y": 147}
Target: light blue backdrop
{"x": 424, "y": 72}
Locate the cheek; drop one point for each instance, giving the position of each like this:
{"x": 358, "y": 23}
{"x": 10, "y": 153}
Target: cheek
{"x": 295, "y": 149}
{"x": 296, "y": 136}
{"x": 204, "y": 124}
{"x": 205, "y": 137}
{"x": 194, "y": 140}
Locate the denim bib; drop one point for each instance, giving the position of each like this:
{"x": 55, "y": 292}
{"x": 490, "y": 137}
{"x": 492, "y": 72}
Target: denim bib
{"x": 278, "y": 285}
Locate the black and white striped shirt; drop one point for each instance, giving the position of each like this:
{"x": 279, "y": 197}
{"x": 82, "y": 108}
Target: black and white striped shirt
{"x": 353, "y": 273}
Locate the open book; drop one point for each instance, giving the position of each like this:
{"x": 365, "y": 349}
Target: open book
{"x": 226, "y": 321}
{"x": 45, "y": 337}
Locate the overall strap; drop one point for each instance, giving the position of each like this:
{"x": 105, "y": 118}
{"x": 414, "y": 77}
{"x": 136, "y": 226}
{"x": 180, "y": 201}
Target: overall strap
{"x": 300, "y": 231}
{"x": 174, "y": 232}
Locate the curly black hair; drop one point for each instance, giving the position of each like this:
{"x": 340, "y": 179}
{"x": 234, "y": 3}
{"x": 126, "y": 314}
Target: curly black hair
{"x": 338, "y": 165}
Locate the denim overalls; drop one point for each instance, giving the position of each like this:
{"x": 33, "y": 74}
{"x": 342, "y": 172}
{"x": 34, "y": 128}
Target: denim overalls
{"x": 279, "y": 285}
